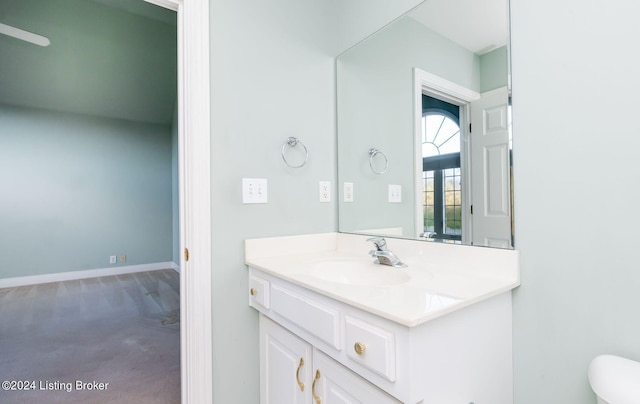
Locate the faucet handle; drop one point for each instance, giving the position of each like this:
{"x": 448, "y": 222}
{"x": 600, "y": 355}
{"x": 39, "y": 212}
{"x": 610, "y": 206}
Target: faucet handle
{"x": 379, "y": 242}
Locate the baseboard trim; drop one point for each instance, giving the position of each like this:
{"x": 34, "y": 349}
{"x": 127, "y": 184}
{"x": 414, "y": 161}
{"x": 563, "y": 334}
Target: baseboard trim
{"x": 89, "y": 273}
{"x": 175, "y": 267}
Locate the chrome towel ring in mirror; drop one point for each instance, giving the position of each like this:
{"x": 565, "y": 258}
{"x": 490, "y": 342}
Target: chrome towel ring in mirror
{"x": 293, "y": 142}
{"x": 374, "y": 152}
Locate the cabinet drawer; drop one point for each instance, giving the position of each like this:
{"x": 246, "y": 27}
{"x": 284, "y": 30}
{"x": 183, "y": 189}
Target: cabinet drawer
{"x": 371, "y": 346}
{"x": 336, "y": 384}
{"x": 318, "y": 319}
{"x": 259, "y": 292}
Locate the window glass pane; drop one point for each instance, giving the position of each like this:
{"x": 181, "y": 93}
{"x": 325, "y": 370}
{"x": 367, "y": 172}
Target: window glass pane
{"x": 428, "y": 201}
{"x": 440, "y": 135}
{"x": 457, "y": 184}
{"x": 452, "y": 202}
{"x": 429, "y": 219}
{"x": 429, "y": 198}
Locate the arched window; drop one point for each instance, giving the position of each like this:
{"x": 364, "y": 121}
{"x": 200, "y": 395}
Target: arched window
{"x": 440, "y": 134}
{"x": 442, "y": 182}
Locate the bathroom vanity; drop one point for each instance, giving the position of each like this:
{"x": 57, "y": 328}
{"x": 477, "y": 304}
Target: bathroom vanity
{"x": 337, "y": 328}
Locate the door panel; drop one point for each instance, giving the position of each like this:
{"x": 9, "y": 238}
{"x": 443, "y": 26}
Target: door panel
{"x": 286, "y": 363}
{"x": 490, "y": 169}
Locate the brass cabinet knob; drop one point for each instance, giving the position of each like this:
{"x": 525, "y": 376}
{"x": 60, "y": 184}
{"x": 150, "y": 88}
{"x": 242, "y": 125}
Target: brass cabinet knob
{"x": 253, "y": 291}
{"x": 359, "y": 347}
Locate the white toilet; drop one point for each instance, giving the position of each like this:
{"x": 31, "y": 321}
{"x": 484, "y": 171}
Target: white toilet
{"x": 615, "y": 380}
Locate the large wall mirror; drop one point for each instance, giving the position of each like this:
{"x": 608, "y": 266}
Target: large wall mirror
{"x": 424, "y": 127}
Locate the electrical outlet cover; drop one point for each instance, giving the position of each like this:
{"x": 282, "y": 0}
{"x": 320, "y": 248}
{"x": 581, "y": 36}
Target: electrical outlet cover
{"x": 348, "y": 192}
{"x": 325, "y": 191}
{"x": 395, "y": 193}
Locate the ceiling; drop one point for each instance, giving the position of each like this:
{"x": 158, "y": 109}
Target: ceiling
{"x": 118, "y": 58}
{"x": 477, "y": 25}
{"x": 142, "y": 8}
{"x": 110, "y": 58}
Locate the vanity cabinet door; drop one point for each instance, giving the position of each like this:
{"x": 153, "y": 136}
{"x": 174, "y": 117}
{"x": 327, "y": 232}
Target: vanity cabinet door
{"x": 335, "y": 384}
{"x": 285, "y": 365}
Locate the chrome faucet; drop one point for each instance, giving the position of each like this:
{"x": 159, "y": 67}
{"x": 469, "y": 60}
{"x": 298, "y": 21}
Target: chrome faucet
{"x": 383, "y": 255}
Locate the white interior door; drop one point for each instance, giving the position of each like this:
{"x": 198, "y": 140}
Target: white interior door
{"x": 490, "y": 168}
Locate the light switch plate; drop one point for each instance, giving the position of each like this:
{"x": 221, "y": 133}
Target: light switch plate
{"x": 347, "y": 192}
{"x": 254, "y": 190}
{"x": 395, "y": 193}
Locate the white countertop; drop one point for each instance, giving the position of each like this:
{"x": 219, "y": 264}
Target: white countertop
{"x": 439, "y": 279}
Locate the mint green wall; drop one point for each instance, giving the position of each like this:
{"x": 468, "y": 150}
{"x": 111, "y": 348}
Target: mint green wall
{"x": 494, "y": 69}
{"x": 272, "y": 76}
{"x": 77, "y": 189}
{"x": 576, "y": 179}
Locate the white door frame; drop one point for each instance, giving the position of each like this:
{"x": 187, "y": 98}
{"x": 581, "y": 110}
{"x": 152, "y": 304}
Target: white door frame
{"x": 194, "y": 173}
{"x": 445, "y": 90}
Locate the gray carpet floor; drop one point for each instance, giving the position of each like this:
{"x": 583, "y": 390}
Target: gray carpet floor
{"x": 122, "y": 330}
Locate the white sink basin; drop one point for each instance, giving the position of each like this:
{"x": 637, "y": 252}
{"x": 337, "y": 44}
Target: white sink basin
{"x": 356, "y": 272}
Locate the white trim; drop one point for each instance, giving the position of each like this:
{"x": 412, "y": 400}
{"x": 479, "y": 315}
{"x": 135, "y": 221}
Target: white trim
{"x": 444, "y": 89}
{"x": 194, "y": 155}
{"x": 465, "y": 170}
{"x": 85, "y": 274}
{"x": 175, "y": 267}
{"x": 435, "y": 86}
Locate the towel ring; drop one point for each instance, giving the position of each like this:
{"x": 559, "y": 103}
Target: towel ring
{"x": 374, "y": 152}
{"x": 293, "y": 142}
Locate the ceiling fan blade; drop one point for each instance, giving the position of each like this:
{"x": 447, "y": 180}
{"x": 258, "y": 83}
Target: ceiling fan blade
{"x": 24, "y": 35}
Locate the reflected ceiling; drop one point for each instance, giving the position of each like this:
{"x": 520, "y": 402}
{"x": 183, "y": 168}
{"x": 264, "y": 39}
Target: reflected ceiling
{"x": 476, "y": 25}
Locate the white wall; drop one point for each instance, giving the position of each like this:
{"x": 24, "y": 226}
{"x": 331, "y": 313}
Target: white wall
{"x": 576, "y": 141}
{"x": 272, "y": 77}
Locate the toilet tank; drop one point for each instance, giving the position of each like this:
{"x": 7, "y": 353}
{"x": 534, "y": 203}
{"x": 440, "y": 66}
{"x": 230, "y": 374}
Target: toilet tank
{"x": 615, "y": 380}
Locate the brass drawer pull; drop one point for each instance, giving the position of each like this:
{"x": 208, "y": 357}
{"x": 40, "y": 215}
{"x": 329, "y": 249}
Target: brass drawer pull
{"x": 313, "y": 388}
{"x": 360, "y": 348}
{"x": 253, "y": 291}
{"x": 300, "y": 384}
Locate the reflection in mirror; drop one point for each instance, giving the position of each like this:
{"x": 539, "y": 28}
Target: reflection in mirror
{"x": 441, "y": 176}
{"x": 430, "y": 92}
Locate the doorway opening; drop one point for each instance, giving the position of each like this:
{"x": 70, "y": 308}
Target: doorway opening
{"x": 479, "y": 200}
{"x": 194, "y": 178}
{"x": 442, "y": 169}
